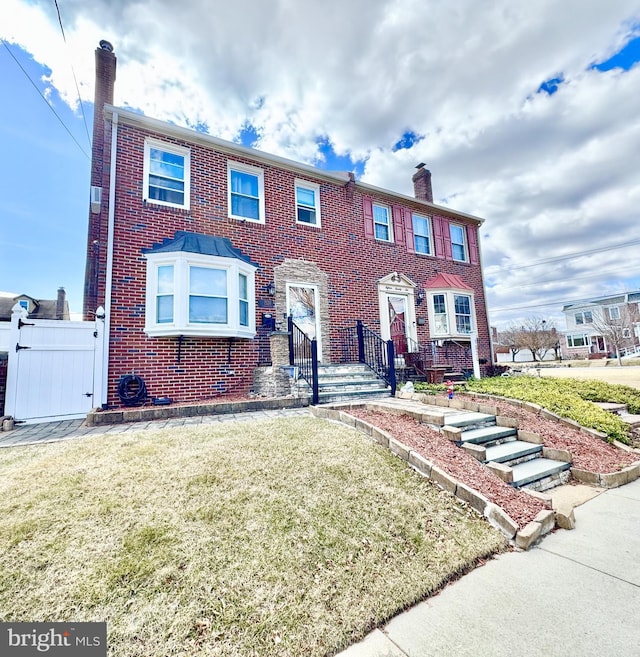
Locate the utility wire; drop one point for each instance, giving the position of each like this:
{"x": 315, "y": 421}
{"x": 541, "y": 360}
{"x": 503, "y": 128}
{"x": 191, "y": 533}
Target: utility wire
{"x": 577, "y": 254}
{"x": 64, "y": 38}
{"x": 615, "y": 272}
{"x": 35, "y": 86}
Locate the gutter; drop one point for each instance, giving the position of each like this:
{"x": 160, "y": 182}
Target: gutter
{"x": 109, "y": 272}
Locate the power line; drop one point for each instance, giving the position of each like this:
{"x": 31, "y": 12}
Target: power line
{"x": 35, "y": 86}
{"x": 64, "y": 38}
{"x": 599, "y": 274}
{"x": 569, "y": 256}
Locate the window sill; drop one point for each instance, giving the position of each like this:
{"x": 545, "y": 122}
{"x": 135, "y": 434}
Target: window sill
{"x": 199, "y": 332}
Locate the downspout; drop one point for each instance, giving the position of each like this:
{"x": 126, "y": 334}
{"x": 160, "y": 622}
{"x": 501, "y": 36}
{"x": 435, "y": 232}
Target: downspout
{"x": 474, "y": 338}
{"x": 109, "y": 272}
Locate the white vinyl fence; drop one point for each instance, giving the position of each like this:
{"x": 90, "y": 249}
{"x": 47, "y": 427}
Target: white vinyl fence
{"x": 54, "y": 368}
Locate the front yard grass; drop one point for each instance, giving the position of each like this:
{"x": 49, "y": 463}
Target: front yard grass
{"x": 285, "y": 537}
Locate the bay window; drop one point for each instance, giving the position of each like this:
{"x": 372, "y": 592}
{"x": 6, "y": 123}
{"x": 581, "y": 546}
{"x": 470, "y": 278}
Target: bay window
{"x": 196, "y": 294}
{"x": 451, "y": 314}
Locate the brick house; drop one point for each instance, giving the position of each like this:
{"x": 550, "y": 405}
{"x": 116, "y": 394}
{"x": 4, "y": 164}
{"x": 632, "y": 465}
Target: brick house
{"x": 200, "y": 248}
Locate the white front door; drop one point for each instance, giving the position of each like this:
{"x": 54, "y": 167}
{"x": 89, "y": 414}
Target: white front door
{"x": 302, "y": 306}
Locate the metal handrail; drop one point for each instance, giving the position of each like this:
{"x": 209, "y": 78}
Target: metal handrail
{"x": 303, "y": 354}
{"x": 377, "y": 354}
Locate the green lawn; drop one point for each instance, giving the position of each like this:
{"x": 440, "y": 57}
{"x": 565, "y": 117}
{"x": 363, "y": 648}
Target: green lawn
{"x": 287, "y": 537}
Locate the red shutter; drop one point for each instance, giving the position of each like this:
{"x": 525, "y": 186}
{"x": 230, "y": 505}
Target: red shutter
{"x": 398, "y": 225}
{"x": 446, "y": 233}
{"x": 472, "y": 240}
{"x": 439, "y": 228}
{"x": 367, "y": 204}
{"x": 408, "y": 231}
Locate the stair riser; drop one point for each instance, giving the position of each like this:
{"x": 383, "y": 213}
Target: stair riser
{"x": 547, "y": 483}
{"x": 522, "y": 459}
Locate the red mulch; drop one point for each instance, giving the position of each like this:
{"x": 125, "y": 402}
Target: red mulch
{"x": 431, "y": 444}
{"x": 589, "y": 452}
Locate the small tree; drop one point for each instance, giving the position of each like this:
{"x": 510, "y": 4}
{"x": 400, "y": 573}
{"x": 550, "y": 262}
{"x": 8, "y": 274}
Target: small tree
{"x": 617, "y": 327}
{"x": 539, "y": 337}
{"x": 511, "y": 339}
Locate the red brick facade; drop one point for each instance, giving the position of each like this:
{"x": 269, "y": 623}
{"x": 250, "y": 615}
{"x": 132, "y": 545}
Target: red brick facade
{"x": 194, "y": 368}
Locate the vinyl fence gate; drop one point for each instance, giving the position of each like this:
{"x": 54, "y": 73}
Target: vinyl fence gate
{"x": 54, "y": 368}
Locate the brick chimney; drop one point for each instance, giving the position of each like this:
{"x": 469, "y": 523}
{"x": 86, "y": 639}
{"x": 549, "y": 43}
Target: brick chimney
{"x": 422, "y": 184}
{"x": 62, "y": 295}
{"x": 97, "y": 232}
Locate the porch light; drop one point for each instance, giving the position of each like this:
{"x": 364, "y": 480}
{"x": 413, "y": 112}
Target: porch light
{"x": 419, "y": 297}
{"x": 270, "y": 289}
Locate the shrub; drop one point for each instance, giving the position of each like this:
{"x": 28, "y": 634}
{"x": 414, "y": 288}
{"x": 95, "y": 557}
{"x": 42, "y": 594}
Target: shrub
{"x": 570, "y": 398}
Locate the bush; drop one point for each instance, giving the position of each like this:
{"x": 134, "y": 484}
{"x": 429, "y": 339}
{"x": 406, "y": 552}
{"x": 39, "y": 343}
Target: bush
{"x": 570, "y": 398}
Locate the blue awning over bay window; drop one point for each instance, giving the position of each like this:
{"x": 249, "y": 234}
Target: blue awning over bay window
{"x": 211, "y": 245}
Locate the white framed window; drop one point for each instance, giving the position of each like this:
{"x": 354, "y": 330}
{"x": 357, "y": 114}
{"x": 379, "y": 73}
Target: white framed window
{"x": 585, "y": 317}
{"x": 459, "y": 249}
{"x": 422, "y": 235}
{"x": 199, "y": 295}
{"x": 451, "y": 314}
{"x": 614, "y": 312}
{"x": 307, "y": 203}
{"x": 578, "y": 340}
{"x": 382, "y": 223}
{"x": 245, "y": 192}
{"x": 166, "y": 174}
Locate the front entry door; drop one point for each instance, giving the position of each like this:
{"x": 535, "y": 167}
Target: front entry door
{"x": 397, "y": 308}
{"x": 302, "y": 306}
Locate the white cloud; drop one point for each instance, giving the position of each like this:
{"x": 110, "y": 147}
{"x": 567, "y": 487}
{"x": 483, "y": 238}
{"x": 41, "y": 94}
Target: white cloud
{"x": 552, "y": 175}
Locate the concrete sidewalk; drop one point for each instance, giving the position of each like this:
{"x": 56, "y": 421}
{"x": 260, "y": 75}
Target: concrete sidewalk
{"x": 577, "y": 593}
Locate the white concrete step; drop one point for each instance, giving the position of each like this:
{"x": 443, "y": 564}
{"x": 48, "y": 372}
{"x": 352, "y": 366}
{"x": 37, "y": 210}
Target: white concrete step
{"x": 514, "y": 450}
{"x": 531, "y": 471}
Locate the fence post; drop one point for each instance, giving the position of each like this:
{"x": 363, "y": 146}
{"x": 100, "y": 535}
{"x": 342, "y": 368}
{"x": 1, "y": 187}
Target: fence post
{"x": 391, "y": 358}
{"x": 292, "y": 356}
{"x": 360, "y": 333}
{"x": 315, "y": 388}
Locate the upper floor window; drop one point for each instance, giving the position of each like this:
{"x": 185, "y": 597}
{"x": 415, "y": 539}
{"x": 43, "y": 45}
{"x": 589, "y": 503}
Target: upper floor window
{"x": 246, "y": 192}
{"x": 614, "y": 312}
{"x": 458, "y": 242}
{"x": 422, "y": 235}
{"x": 307, "y": 203}
{"x": 382, "y": 223}
{"x": 585, "y": 317}
{"x": 166, "y": 174}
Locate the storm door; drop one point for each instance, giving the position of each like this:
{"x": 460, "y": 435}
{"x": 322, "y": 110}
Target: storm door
{"x": 302, "y": 306}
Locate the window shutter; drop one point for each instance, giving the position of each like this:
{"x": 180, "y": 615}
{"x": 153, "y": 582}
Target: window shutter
{"x": 446, "y": 232}
{"x": 408, "y": 231}
{"x": 472, "y": 240}
{"x": 442, "y": 238}
{"x": 398, "y": 225}
{"x": 367, "y": 204}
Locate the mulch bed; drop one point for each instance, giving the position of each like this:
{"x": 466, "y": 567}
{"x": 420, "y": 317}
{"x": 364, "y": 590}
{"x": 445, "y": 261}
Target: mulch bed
{"x": 431, "y": 444}
{"x": 589, "y": 453}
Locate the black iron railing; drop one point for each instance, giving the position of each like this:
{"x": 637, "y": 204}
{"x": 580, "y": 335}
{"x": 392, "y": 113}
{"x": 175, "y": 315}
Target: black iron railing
{"x": 303, "y": 354}
{"x": 359, "y": 344}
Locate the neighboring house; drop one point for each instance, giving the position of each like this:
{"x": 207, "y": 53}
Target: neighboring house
{"x": 591, "y": 322}
{"x": 199, "y": 248}
{"x": 57, "y": 308}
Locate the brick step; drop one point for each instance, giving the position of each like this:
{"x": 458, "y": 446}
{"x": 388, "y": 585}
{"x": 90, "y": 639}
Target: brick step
{"x": 512, "y": 452}
{"x": 537, "y": 471}
{"x": 487, "y": 434}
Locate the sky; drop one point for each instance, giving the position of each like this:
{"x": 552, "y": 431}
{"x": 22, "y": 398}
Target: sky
{"x": 526, "y": 113}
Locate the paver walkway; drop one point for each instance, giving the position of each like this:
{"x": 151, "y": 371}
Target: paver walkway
{"x": 47, "y": 432}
